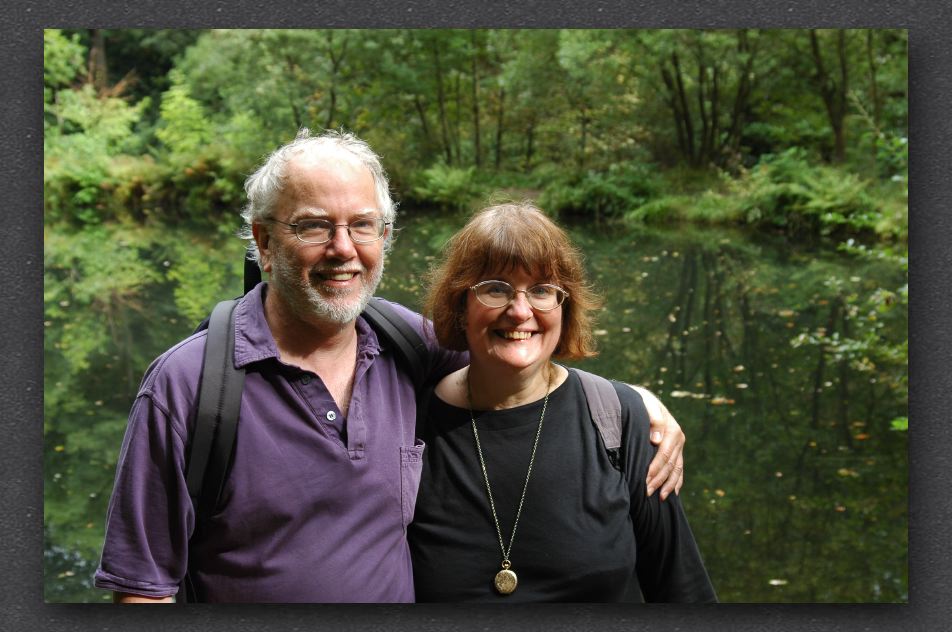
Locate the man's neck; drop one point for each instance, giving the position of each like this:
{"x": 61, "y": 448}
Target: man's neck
{"x": 327, "y": 349}
{"x": 309, "y": 342}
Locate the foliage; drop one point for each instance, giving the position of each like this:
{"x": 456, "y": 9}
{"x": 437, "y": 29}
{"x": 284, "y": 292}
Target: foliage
{"x": 448, "y": 187}
{"x": 607, "y": 193}
{"x": 62, "y": 61}
{"x": 79, "y": 147}
{"x": 789, "y": 191}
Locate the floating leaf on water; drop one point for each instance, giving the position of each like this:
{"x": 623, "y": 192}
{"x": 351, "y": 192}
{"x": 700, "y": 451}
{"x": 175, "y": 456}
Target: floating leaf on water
{"x": 778, "y": 474}
{"x": 600, "y": 332}
{"x": 738, "y": 368}
{"x": 722, "y": 401}
{"x": 720, "y": 492}
{"x": 845, "y": 471}
{"x": 840, "y": 508}
{"x": 786, "y": 313}
{"x": 863, "y": 436}
{"x": 741, "y": 385}
{"x": 777, "y": 582}
{"x": 59, "y": 448}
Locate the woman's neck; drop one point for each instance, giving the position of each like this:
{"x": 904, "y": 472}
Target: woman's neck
{"x": 488, "y": 390}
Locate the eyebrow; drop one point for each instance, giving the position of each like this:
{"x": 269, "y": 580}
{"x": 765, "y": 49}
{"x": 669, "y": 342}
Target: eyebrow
{"x": 319, "y": 213}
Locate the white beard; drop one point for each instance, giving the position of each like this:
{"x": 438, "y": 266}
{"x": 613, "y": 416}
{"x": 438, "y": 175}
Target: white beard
{"x": 329, "y": 305}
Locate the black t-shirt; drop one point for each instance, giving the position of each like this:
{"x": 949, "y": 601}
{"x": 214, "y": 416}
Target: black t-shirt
{"x": 586, "y": 533}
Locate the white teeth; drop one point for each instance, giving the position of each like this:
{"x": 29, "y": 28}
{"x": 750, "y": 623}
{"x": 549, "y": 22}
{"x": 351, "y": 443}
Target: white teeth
{"x": 517, "y": 335}
{"x": 340, "y": 276}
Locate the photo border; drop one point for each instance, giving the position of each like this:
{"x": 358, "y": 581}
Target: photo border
{"x": 21, "y": 383}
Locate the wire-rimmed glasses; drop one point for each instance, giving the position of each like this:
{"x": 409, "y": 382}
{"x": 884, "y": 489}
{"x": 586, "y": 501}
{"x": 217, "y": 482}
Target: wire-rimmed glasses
{"x": 320, "y": 231}
{"x": 543, "y": 296}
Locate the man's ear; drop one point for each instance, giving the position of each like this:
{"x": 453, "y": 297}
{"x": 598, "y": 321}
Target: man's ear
{"x": 263, "y": 240}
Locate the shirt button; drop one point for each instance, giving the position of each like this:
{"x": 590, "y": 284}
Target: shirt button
{"x": 331, "y": 415}
{"x": 305, "y": 379}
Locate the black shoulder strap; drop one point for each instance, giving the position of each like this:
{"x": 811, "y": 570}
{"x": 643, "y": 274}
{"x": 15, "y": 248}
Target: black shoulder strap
{"x": 219, "y": 403}
{"x": 605, "y": 409}
{"x": 408, "y": 344}
{"x": 252, "y": 274}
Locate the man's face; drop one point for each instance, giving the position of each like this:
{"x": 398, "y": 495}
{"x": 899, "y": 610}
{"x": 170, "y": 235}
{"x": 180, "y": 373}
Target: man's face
{"x": 334, "y": 280}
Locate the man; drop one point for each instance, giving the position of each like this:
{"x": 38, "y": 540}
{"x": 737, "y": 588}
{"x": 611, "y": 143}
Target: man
{"x": 326, "y": 466}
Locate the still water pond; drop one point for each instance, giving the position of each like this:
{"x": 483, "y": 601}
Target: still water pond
{"x": 783, "y": 364}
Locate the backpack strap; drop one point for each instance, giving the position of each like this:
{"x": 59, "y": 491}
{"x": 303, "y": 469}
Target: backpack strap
{"x": 406, "y": 341}
{"x": 605, "y": 409}
{"x": 219, "y": 403}
{"x": 252, "y": 274}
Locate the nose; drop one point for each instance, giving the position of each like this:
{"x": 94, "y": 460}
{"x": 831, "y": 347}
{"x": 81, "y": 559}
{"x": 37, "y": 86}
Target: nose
{"x": 519, "y": 309}
{"x": 341, "y": 246}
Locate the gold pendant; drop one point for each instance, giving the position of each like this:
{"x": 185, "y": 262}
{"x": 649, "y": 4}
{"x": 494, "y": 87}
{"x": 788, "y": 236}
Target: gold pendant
{"x": 506, "y": 580}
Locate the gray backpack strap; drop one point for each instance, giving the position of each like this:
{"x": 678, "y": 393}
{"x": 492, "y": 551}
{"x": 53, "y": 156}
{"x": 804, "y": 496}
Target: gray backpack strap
{"x": 605, "y": 408}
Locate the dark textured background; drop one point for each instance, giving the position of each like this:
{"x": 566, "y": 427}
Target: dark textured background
{"x": 21, "y": 380}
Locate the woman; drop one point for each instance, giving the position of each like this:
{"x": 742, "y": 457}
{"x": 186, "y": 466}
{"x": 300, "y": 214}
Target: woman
{"x": 519, "y": 499}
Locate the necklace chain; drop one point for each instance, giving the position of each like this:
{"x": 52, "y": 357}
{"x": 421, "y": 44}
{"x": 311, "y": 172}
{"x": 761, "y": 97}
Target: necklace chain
{"x": 482, "y": 464}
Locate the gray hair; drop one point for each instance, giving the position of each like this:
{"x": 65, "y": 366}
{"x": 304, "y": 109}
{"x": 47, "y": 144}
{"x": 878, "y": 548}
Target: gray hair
{"x": 264, "y": 186}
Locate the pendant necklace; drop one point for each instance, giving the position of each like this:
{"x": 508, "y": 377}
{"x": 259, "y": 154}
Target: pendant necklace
{"x": 506, "y": 580}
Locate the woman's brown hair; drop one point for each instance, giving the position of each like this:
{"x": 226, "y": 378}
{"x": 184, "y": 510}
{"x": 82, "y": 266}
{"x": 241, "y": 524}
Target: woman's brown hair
{"x": 500, "y": 239}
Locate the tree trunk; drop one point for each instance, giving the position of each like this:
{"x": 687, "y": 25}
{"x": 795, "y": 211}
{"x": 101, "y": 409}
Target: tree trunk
{"x": 457, "y": 118}
{"x": 337, "y": 60}
{"x": 292, "y": 98}
{"x": 499, "y": 126}
{"x": 530, "y": 146}
{"x": 97, "y": 70}
{"x": 675, "y": 111}
{"x": 833, "y": 93}
{"x": 742, "y": 97}
{"x": 441, "y": 102}
{"x": 421, "y": 111}
{"x": 477, "y": 145}
{"x": 873, "y": 93}
{"x": 583, "y": 140}
{"x": 685, "y": 110}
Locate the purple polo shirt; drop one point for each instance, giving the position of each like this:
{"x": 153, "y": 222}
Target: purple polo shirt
{"x": 316, "y": 505}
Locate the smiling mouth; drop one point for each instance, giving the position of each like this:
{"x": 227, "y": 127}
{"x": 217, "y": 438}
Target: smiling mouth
{"x": 514, "y": 335}
{"x": 337, "y": 276}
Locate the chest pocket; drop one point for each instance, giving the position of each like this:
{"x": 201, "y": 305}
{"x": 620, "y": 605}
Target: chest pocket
{"x": 411, "y": 469}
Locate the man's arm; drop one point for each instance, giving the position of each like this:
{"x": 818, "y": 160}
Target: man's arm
{"x": 121, "y": 597}
{"x": 666, "y": 470}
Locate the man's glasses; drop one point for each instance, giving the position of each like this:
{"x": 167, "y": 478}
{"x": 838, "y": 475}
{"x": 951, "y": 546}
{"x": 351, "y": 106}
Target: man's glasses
{"x": 543, "y": 297}
{"x": 321, "y": 231}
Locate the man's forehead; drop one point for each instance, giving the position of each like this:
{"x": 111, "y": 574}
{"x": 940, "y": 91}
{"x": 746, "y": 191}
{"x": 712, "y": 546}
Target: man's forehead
{"x": 330, "y": 158}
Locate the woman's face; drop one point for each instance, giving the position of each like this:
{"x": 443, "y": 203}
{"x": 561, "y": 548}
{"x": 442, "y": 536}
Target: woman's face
{"x": 514, "y": 337}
